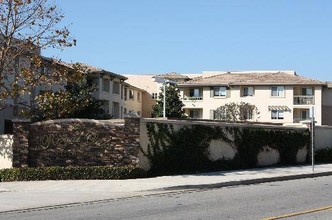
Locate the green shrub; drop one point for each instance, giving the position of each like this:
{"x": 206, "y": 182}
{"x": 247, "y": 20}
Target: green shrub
{"x": 70, "y": 173}
{"x": 323, "y": 155}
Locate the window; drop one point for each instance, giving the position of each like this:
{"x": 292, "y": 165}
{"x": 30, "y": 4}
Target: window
{"x": 307, "y": 91}
{"x": 219, "y": 91}
{"x": 131, "y": 94}
{"x": 125, "y": 94}
{"x": 106, "y": 85}
{"x": 246, "y": 113}
{"x": 194, "y": 113}
{"x": 154, "y": 95}
{"x": 116, "y": 109}
{"x": 277, "y": 91}
{"x": 106, "y": 106}
{"x": 305, "y": 114}
{"x": 194, "y": 93}
{"x": 125, "y": 111}
{"x": 138, "y": 96}
{"x": 248, "y": 91}
{"x": 277, "y": 114}
{"x": 116, "y": 87}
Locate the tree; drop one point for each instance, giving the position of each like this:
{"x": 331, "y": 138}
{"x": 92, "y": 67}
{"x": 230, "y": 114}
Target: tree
{"x": 26, "y": 27}
{"x": 232, "y": 112}
{"x": 76, "y": 101}
{"x": 174, "y": 106}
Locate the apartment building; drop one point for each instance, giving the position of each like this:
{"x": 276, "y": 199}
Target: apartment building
{"x": 279, "y": 96}
{"x": 119, "y": 96}
{"x": 327, "y": 104}
{"x": 152, "y": 84}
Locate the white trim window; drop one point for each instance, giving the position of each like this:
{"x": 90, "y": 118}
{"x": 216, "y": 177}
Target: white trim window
{"x": 194, "y": 113}
{"x": 219, "y": 91}
{"x": 248, "y": 91}
{"x": 277, "y": 114}
{"x": 278, "y": 91}
{"x": 307, "y": 91}
{"x": 194, "y": 92}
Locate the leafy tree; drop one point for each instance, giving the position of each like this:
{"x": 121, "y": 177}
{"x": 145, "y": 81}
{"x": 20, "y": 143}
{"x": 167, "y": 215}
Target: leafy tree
{"x": 26, "y": 27}
{"x": 235, "y": 112}
{"x": 76, "y": 101}
{"x": 174, "y": 106}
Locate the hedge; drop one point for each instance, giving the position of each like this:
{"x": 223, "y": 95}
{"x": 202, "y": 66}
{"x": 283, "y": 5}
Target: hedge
{"x": 71, "y": 173}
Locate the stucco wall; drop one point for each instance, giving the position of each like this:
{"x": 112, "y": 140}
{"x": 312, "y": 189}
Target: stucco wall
{"x": 327, "y": 106}
{"x": 6, "y": 151}
{"x": 323, "y": 137}
{"x": 218, "y": 149}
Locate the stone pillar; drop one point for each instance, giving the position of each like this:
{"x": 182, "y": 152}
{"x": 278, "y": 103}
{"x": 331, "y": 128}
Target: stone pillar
{"x": 132, "y": 123}
{"x": 132, "y": 131}
{"x": 21, "y": 143}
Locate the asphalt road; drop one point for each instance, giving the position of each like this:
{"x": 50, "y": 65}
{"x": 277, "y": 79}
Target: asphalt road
{"x": 295, "y": 199}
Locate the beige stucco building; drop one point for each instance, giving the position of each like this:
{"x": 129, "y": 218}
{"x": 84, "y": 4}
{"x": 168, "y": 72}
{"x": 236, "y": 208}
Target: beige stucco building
{"x": 119, "y": 96}
{"x": 327, "y": 104}
{"x": 152, "y": 85}
{"x": 279, "y": 96}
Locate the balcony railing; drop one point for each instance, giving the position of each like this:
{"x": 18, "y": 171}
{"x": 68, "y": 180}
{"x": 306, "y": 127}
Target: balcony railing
{"x": 299, "y": 120}
{"x": 193, "y": 98}
{"x": 304, "y": 100}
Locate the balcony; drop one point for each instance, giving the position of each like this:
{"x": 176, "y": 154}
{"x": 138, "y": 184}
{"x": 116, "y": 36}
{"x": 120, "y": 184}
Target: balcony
{"x": 304, "y": 100}
{"x": 300, "y": 120}
{"x": 192, "y": 98}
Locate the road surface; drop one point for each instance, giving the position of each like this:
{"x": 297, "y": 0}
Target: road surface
{"x": 296, "y": 199}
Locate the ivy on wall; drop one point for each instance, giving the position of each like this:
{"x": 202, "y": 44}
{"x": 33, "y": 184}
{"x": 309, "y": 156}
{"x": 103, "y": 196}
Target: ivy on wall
{"x": 187, "y": 149}
{"x": 323, "y": 155}
{"x": 251, "y": 141}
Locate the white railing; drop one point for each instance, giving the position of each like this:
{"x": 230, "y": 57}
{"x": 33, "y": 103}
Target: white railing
{"x": 299, "y": 120}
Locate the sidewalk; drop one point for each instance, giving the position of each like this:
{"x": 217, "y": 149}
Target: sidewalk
{"x": 34, "y": 194}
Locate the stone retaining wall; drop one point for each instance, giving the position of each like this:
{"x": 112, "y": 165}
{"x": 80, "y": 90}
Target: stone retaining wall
{"x": 76, "y": 142}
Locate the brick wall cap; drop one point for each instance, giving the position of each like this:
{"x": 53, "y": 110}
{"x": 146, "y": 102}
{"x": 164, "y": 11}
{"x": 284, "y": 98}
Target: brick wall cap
{"x": 115, "y": 122}
{"x": 131, "y": 115}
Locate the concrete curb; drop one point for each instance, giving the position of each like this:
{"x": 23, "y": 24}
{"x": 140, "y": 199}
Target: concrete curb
{"x": 249, "y": 182}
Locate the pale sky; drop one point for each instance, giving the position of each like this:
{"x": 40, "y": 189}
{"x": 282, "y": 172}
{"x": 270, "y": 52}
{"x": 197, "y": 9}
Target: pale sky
{"x": 191, "y": 36}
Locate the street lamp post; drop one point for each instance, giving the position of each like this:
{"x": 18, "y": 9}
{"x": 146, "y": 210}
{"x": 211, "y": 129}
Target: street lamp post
{"x": 313, "y": 138}
{"x": 164, "y": 81}
{"x": 164, "y": 106}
